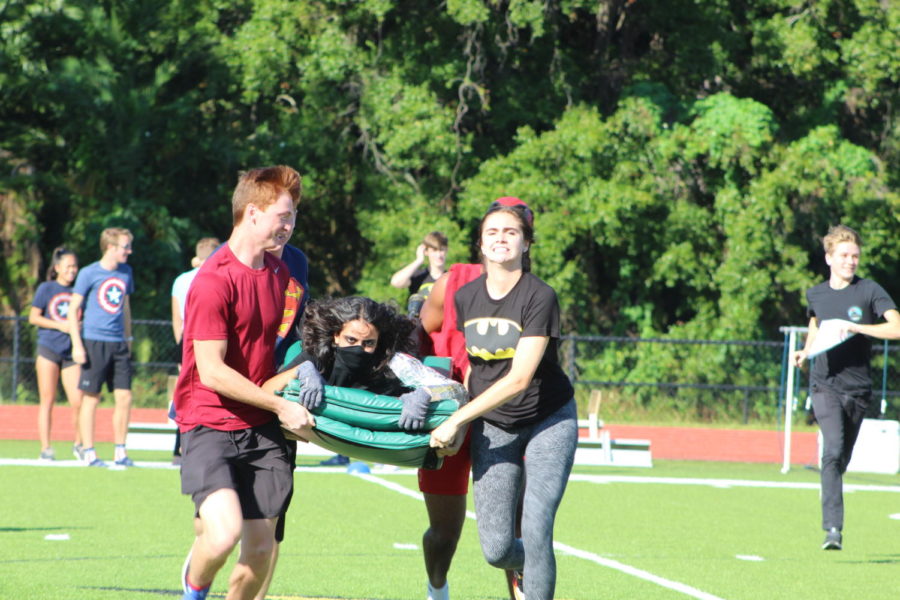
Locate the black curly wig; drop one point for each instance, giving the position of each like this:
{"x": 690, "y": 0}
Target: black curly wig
{"x": 323, "y": 319}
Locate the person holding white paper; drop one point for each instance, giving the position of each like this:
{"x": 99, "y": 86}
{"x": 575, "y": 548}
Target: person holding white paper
{"x": 841, "y": 378}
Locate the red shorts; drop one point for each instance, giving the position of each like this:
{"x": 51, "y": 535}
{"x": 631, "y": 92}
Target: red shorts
{"x": 452, "y": 479}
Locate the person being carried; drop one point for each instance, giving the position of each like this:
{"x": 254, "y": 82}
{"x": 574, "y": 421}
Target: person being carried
{"x": 419, "y": 279}
{"x": 104, "y": 350}
{"x": 356, "y": 342}
{"x": 235, "y": 460}
{"x": 841, "y": 377}
{"x": 49, "y": 312}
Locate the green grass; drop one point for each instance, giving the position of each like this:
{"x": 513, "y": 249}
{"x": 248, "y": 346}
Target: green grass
{"x": 129, "y": 530}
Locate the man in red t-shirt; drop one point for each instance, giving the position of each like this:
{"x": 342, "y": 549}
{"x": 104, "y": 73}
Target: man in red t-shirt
{"x": 235, "y": 462}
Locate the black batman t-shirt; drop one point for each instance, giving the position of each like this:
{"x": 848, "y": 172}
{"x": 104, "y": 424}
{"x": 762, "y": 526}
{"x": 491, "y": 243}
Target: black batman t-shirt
{"x": 846, "y": 368}
{"x": 421, "y": 282}
{"x": 492, "y": 329}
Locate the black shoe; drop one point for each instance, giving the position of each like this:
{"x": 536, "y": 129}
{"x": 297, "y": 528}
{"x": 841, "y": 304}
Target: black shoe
{"x": 338, "y": 460}
{"x": 833, "y": 540}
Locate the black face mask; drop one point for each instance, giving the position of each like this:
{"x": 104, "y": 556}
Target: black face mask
{"x": 351, "y": 365}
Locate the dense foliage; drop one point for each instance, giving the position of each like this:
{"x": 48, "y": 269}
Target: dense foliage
{"x": 683, "y": 157}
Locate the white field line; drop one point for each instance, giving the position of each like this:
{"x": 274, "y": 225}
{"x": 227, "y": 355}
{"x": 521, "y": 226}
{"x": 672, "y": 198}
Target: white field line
{"x": 598, "y": 479}
{"x": 565, "y": 549}
{"x": 727, "y": 483}
{"x": 634, "y": 571}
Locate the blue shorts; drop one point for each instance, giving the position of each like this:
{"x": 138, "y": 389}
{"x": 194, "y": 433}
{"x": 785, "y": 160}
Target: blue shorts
{"x": 63, "y": 361}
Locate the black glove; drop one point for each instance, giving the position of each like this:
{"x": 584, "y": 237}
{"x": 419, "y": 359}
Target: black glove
{"x": 414, "y": 305}
{"x": 313, "y": 386}
{"x": 415, "y": 409}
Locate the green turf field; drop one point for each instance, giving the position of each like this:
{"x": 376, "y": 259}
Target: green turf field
{"x": 677, "y": 531}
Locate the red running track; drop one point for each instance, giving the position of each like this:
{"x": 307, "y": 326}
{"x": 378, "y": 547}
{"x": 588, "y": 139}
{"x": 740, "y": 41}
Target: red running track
{"x": 19, "y": 422}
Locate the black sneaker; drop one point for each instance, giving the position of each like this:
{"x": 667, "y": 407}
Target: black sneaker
{"x": 833, "y": 540}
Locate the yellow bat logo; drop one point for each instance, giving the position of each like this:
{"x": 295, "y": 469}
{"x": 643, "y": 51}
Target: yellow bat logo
{"x": 492, "y": 338}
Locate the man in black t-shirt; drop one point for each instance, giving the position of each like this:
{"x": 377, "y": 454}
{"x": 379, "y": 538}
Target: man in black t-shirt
{"x": 419, "y": 279}
{"x": 840, "y": 376}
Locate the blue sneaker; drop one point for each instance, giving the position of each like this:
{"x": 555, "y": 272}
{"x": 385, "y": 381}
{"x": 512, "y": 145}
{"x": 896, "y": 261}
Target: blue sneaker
{"x": 124, "y": 462}
{"x": 338, "y": 460}
{"x": 192, "y": 594}
{"x": 97, "y": 463}
{"x": 189, "y": 592}
{"x": 78, "y": 452}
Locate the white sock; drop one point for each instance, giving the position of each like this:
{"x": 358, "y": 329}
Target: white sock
{"x": 120, "y": 452}
{"x": 89, "y": 456}
{"x": 439, "y": 593}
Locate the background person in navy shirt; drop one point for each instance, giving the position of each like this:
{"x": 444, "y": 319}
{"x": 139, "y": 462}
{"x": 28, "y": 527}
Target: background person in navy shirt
{"x": 49, "y": 312}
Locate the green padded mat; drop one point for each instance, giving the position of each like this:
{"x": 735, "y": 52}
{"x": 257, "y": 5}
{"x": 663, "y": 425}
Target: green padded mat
{"x": 363, "y": 425}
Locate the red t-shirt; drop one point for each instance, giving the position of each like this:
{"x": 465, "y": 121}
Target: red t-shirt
{"x": 230, "y": 301}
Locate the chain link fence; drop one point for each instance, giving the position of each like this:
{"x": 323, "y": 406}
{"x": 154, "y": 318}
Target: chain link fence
{"x": 705, "y": 381}
{"x": 154, "y": 352}
{"x": 642, "y": 378}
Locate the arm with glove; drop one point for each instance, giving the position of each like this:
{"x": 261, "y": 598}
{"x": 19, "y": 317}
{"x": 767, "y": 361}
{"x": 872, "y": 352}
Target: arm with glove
{"x": 429, "y": 386}
{"x": 415, "y": 409}
{"x": 312, "y": 385}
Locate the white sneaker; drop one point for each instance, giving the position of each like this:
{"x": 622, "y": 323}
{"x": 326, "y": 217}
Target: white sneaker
{"x": 439, "y": 593}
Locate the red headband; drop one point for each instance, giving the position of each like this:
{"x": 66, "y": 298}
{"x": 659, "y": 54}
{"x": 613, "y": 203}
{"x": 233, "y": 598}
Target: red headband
{"x": 512, "y": 201}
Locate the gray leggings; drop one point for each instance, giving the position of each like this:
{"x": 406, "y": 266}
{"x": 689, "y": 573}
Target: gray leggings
{"x": 499, "y": 472}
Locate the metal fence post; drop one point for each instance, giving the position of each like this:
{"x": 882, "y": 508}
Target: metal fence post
{"x": 15, "y": 361}
{"x": 746, "y": 406}
{"x": 573, "y": 345}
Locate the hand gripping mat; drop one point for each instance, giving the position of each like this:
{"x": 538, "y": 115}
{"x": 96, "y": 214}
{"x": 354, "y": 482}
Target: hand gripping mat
{"x": 363, "y": 425}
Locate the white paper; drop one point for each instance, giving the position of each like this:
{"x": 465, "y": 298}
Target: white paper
{"x": 831, "y": 333}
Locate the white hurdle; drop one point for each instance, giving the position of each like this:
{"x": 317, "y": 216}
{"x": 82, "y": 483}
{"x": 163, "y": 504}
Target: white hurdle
{"x": 600, "y": 449}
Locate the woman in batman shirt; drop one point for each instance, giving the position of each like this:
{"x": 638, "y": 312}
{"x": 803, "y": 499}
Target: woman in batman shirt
{"x": 522, "y": 412}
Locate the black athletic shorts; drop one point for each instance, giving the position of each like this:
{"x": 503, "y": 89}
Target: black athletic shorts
{"x": 256, "y": 463}
{"x": 279, "y": 527}
{"x": 108, "y": 362}
{"x": 63, "y": 361}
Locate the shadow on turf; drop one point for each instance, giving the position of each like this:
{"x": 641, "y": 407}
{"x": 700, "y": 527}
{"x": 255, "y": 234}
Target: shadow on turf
{"x": 176, "y": 593}
{"x": 888, "y": 559}
{"x": 21, "y": 529}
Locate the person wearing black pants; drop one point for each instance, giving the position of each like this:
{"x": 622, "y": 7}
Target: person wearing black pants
{"x": 840, "y": 376}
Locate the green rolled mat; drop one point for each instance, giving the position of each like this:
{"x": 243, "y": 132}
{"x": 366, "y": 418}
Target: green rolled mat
{"x": 363, "y": 425}
{"x": 361, "y": 408}
{"x": 385, "y": 447}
